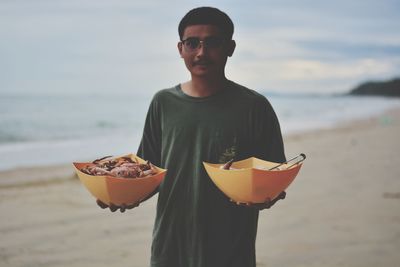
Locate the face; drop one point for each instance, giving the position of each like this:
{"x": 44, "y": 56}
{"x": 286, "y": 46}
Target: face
{"x": 207, "y": 58}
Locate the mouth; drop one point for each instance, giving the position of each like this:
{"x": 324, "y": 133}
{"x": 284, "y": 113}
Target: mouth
{"x": 202, "y": 63}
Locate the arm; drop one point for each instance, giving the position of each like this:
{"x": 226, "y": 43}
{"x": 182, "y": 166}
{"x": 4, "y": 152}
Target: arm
{"x": 267, "y": 143}
{"x": 149, "y": 149}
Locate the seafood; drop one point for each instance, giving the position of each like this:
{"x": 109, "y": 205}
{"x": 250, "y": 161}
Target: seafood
{"x": 227, "y": 166}
{"x": 123, "y": 167}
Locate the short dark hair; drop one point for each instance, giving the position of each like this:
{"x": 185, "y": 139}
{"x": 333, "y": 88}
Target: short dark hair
{"x": 207, "y": 16}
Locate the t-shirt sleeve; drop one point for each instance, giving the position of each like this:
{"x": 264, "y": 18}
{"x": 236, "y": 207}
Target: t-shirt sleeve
{"x": 150, "y": 145}
{"x": 268, "y": 141}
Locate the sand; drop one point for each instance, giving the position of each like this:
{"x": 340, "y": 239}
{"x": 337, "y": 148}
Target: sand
{"x": 342, "y": 210}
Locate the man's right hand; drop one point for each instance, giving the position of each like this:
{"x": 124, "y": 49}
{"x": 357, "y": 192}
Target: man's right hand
{"x": 114, "y": 208}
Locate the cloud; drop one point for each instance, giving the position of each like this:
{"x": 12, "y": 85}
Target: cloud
{"x": 318, "y": 70}
{"x": 290, "y": 45}
{"x": 312, "y": 75}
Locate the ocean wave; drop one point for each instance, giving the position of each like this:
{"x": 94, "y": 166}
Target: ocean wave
{"x": 29, "y": 138}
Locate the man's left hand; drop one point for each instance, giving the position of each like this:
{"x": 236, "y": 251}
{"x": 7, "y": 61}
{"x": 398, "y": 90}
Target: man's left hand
{"x": 266, "y": 205}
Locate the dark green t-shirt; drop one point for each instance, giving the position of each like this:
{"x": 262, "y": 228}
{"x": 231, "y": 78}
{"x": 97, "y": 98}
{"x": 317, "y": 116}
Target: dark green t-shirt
{"x": 196, "y": 225}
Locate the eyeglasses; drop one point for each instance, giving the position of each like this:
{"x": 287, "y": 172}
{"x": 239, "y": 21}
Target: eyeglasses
{"x": 191, "y": 44}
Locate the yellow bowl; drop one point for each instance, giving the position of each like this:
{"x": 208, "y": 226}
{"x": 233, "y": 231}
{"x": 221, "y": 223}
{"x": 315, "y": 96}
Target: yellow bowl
{"x": 250, "y": 181}
{"x": 117, "y": 190}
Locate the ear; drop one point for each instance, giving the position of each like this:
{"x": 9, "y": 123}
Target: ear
{"x": 231, "y": 48}
{"x": 179, "y": 45}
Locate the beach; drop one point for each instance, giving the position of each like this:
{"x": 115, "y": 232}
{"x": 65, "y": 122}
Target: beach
{"x": 341, "y": 210}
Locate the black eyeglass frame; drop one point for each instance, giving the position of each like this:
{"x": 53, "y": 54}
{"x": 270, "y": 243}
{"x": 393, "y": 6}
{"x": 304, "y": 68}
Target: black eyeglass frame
{"x": 220, "y": 41}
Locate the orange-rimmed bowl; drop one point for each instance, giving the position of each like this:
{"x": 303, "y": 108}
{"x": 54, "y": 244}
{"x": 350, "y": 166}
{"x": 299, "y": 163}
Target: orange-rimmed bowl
{"x": 250, "y": 181}
{"x": 118, "y": 190}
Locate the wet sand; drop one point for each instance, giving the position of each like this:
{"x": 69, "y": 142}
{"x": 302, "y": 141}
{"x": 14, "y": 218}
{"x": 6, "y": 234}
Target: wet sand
{"x": 342, "y": 209}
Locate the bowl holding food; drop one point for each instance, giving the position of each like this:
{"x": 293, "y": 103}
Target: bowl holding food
{"x": 123, "y": 180}
{"x": 253, "y": 180}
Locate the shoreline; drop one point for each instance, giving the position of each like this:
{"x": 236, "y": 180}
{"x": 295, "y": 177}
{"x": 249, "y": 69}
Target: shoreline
{"x": 342, "y": 209}
{"x": 317, "y": 114}
{"x": 51, "y": 172}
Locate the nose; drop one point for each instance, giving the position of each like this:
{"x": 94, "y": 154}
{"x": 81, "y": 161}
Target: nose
{"x": 202, "y": 49}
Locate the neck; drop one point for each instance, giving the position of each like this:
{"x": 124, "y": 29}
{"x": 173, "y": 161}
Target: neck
{"x": 200, "y": 87}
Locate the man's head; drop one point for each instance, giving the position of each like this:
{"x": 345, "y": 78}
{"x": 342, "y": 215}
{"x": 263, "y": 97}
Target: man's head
{"x": 207, "y": 16}
{"x": 206, "y": 41}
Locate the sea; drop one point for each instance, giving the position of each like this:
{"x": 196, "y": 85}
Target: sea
{"x": 45, "y": 129}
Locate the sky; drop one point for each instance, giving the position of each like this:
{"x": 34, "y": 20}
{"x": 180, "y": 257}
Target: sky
{"x": 120, "y": 46}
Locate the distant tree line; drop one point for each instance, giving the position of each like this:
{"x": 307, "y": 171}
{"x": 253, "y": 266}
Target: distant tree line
{"x": 382, "y": 88}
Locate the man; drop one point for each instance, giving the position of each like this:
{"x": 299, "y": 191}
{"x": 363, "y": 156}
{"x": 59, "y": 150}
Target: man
{"x": 208, "y": 118}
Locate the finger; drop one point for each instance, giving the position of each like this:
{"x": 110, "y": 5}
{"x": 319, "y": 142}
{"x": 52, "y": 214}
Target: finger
{"x": 101, "y": 204}
{"x": 281, "y": 196}
{"x": 113, "y": 207}
{"x": 131, "y": 206}
{"x": 122, "y": 208}
{"x": 268, "y": 203}
{"x": 260, "y": 206}
{"x": 265, "y": 205}
{"x": 244, "y": 204}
